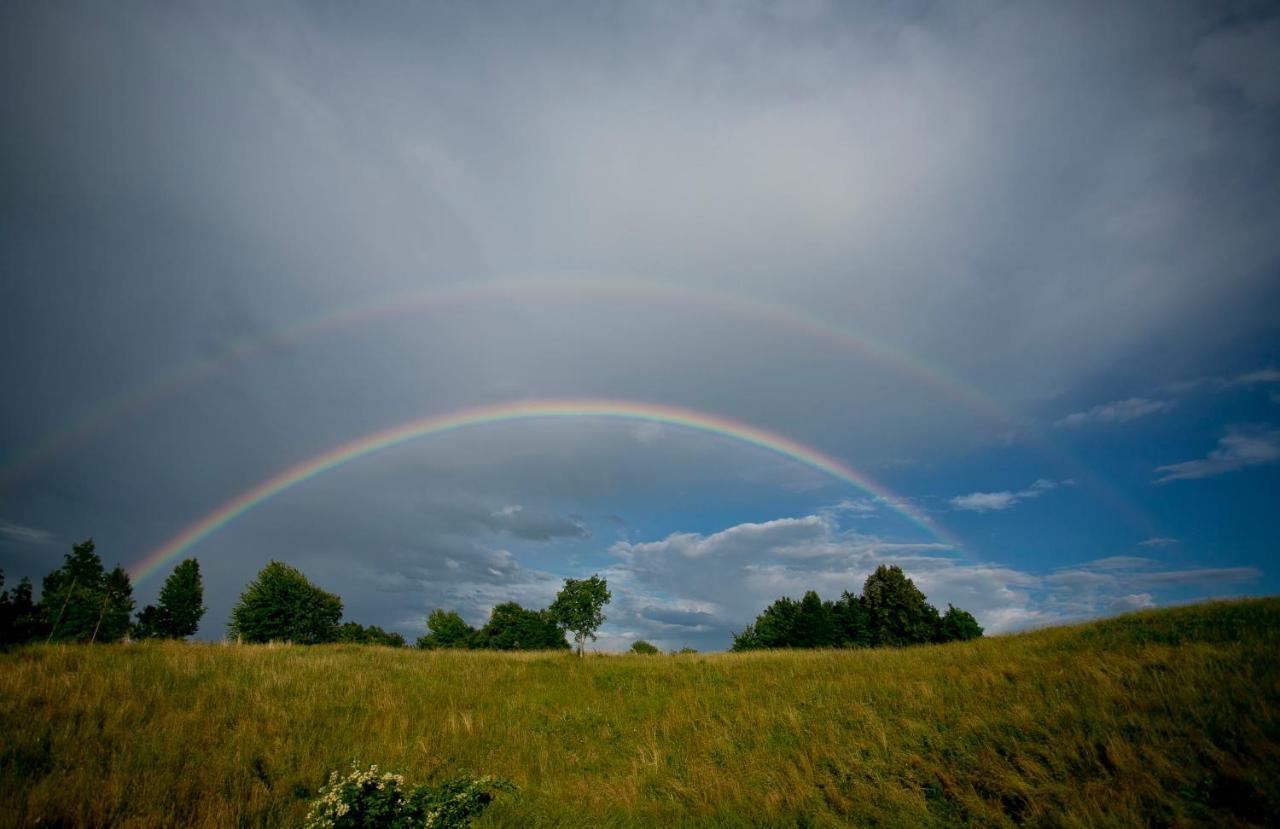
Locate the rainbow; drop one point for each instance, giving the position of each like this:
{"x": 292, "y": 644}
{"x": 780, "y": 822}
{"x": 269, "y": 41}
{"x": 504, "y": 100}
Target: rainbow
{"x": 527, "y": 410}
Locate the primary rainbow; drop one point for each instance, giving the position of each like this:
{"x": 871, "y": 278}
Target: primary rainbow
{"x": 525, "y": 410}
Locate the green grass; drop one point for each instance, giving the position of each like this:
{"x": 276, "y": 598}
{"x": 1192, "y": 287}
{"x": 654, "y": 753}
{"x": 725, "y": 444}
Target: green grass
{"x": 1166, "y": 718}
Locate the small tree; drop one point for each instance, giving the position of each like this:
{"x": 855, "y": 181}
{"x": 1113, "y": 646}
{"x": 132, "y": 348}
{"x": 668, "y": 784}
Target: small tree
{"x": 281, "y": 604}
{"x": 851, "y": 622}
{"x": 354, "y": 633}
{"x": 644, "y": 648}
{"x": 579, "y": 607}
{"x": 446, "y": 629}
{"x": 180, "y": 606}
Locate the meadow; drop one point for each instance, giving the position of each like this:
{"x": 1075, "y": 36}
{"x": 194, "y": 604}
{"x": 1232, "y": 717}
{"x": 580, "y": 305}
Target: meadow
{"x": 1164, "y": 718}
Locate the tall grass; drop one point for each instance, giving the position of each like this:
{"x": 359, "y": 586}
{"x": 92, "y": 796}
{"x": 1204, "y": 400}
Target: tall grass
{"x": 1163, "y": 718}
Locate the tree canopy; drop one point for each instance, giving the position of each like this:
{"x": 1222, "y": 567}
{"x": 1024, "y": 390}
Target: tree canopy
{"x": 446, "y": 629}
{"x": 513, "y": 628}
{"x": 81, "y": 601}
{"x": 579, "y": 607}
{"x": 179, "y": 608}
{"x": 282, "y": 605}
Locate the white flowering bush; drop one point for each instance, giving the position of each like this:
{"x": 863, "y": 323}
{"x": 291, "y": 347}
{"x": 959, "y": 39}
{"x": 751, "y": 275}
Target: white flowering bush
{"x": 378, "y": 800}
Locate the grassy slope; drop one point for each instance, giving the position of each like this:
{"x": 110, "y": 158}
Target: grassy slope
{"x": 1169, "y": 717}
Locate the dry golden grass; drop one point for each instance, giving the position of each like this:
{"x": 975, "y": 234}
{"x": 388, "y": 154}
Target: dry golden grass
{"x": 1163, "y": 718}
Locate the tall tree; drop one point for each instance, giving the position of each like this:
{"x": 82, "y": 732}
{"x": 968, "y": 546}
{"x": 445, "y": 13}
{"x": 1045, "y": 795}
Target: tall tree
{"x": 180, "y": 605}
{"x": 282, "y": 605}
{"x": 897, "y": 611}
{"x": 513, "y": 628}
{"x": 81, "y": 602}
{"x": 446, "y": 629}
{"x": 579, "y": 607}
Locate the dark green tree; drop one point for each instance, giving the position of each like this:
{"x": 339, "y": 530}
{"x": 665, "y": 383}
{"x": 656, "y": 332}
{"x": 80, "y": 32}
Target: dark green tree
{"x": 579, "y": 607}
{"x": 19, "y": 615}
{"x": 446, "y": 629}
{"x": 774, "y": 628}
{"x": 512, "y": 628}
{"x": 814, "y": 623}
{"x": 958, "y": 626}
{"x": 897, "y": 611}
{"x": 853, "y": 628}
{"x": 81, "y": 602}
{"x": 180, "y": 606}
{"x": 644, "y": 648}
{"x": 354, "y": 633}
{"x": 282, "y": 605}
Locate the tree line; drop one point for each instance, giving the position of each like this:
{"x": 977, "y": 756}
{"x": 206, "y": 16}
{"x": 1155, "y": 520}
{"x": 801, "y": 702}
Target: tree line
{"x": 282, "y": 605}
{"x": 890, "y": 612}
{"x": 82, "y": 601}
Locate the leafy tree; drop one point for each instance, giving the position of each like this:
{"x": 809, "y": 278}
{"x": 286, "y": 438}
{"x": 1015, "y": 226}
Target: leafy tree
{"x": 579, "y": 607}
{"x": 687, "y": 650}
{"x": 512, "y": 628}
{"x": 958, "y": 626}
{"x": 774, "y": 628}
{"x": 644, "y": 648}
{"x": 814, "y": 623}
{"x": 19, "y": 615}
{"x": 354, "y": 633}
{"x": 896, "y": 609}
{"x": 80, "y": 601}
{"x": 853, "y": 625}
{"x": 446, "y": 629}
{"x": 281, "y": 604}
{"x": 180, "y": 608}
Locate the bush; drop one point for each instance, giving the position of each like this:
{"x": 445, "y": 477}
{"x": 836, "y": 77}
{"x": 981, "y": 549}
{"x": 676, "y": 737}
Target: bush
{"x": 642, "y": 647}
{"x": 370, "y": 800}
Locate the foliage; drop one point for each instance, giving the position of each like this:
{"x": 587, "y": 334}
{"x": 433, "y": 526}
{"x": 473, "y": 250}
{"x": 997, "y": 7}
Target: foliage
{"x": 890, "y": 611}
{"x": 687, "y": 650}
{"x": 897, "y": 611}
{"x": 958, "y": 626}
{"x": 446, "y": 629}
{"x": 644, "y": 648}
{"x": 80, "y": 601}
{"x": 20, "y": 619}
{"x": 512, "y": 628}
{"x": 180, "y": 606}
{"x": 282, "y": 605}
{"x": 373, "y": 800}
{"x": 1168, "y": 718}
{"x": 353, "y": 633}
{"x": 579, "y": 607}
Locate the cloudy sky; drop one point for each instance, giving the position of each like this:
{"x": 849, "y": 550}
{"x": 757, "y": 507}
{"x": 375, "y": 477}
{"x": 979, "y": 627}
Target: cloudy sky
{"x": 1016, "y": 263}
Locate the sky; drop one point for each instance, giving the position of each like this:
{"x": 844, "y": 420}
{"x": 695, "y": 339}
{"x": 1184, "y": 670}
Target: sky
{"x": 985, "y": 290}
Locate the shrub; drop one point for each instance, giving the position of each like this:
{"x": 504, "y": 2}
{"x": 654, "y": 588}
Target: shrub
{"x": 642, "y": 647}
{"x": 373, "y": 800}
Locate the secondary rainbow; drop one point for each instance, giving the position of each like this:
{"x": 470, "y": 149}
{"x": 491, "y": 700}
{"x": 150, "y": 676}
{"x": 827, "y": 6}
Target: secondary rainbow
{"x": 529, "y": 410}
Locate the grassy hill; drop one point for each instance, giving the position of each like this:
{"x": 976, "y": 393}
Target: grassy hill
{"x": 1168, "y": 718}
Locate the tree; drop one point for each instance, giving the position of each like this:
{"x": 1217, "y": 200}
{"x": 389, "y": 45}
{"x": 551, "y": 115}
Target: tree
{"x": 814, "y": 623}
{"x": 644, "y": 648}
{"x": 774, "y": 628}
{"x": 81, "y": 602}
{"x": 281, "y": 604}
{"x": 513, "y": 628}
{"x": 180, "y": 606}
{"x": 19, "y": 615}
{"x": 897, "y": 612}
{"x": 354, "y": 633}
{"x": 579, "y": 607}
{"x": 853, "y": 627}
{"x": 446, "y": 629}
{"x": 958, "y": 626}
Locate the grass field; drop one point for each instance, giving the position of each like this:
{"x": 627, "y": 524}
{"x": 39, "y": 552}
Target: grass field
{"x": 1166, "y": 718}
